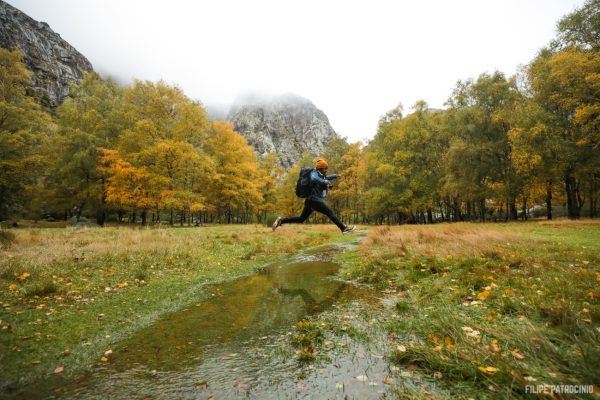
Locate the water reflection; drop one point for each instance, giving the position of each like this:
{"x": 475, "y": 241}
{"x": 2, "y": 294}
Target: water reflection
{"x": 218, "y": 339}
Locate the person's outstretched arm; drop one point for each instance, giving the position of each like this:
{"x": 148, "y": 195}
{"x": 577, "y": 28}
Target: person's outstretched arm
{"x": 314, "y": 176}
{"x": 331, "y": 177}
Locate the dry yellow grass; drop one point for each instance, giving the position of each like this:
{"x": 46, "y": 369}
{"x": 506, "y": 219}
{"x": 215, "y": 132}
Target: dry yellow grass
{"x": 44, "y": 246}
{"x": 457, "y": 239}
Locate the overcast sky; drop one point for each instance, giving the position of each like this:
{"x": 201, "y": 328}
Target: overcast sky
{"x": 354, "y": 60}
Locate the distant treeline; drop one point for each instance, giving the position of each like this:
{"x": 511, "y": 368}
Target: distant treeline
{"x": 147, "y": 153}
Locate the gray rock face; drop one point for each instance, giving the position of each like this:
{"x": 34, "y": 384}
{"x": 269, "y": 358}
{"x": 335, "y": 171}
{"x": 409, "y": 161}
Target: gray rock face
{"x": 53, "y": 61}
{"x": 288, "y": 125}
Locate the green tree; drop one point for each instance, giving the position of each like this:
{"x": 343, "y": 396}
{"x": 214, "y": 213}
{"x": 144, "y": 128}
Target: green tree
{"x": 89, "y": 119}
{"x": 25, "y": 130}
{"x": 566, "y": 85}
{"x": 479, "y": 163}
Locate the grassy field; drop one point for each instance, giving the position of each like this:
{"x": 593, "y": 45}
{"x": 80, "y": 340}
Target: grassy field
{"x": 482, "y": 310}
{"x": 68, "y": 294}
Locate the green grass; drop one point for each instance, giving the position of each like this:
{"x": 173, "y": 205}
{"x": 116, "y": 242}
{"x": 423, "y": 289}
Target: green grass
{"x": 490, "y": 308}
{"x": 67, "y": 295}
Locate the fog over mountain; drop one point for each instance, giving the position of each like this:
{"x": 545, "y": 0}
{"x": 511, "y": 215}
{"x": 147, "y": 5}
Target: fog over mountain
{"x": 286, "y": 124}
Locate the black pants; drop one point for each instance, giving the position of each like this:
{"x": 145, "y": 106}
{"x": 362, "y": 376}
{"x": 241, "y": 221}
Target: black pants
{"x": 309, "y": 207}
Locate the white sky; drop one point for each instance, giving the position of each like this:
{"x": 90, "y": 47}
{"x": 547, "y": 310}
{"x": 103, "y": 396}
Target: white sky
{"x": 354, "y": 60}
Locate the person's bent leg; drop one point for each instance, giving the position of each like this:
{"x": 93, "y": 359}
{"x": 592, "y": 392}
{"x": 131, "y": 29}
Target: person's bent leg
{"x": 306, "y": 211}
{"x": 322, "y": 208}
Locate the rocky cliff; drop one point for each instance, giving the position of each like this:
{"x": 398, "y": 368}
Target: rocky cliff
{"x": 53, "y": 61}
{"x": 288, "y": 125}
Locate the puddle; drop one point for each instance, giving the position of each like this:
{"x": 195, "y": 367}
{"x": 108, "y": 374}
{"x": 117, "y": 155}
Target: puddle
{"x": 235, "y": 344}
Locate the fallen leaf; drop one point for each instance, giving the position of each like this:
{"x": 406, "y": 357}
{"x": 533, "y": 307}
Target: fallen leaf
{"x": 437, "y": 375}
{"x": 401, "y": 348}
{"x": 488, "y": 369}
{"x": 103, "y": 359}
{"x": 515, "y": 353}
{"x": 380, "y": 356}
{"x": 12, "y": 286}
{"x": 448, "y": 342}
{"x": 483, "y": 295}
{"x": 58, "y": 370}
{"x": 470, "y": 332}
{"x": 530, "y": 379}
{"x": 36, "y": 362}
{"x": 495, "y": 346}
{"x": 362, "y": 378}
{"x": 23, "y": 276}
{"x": 388, "y": 380}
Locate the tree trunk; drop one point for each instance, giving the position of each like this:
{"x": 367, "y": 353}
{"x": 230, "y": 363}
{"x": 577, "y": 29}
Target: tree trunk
{"x": 549, "y": 199}
{"x": 80, "y": 210}
{"x": 101, "y": 214}
{"x": 592, "y": 196}
{"x": 481, "y": 210}
{"x": 512, "y": 209}
{"x": 144, "y": 215}
{"x": 573, "y": 196}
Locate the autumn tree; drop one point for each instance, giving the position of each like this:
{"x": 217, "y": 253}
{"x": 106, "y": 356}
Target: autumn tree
{"x": 349, "y": 188}
{"x": 235, "y": 186}
{"x": 89, "y": 119}
{"x": 536, "y": 152}
{"x": 270, "y": 173}
{"x": 565, "y": 84}
{"x": 25, "y": 130}
{"x": 479, "y": 163}
{"x": 165, "y": 135}
{"x": 127, "y": 187}
{"x": 180, "y": 173}
{"x": 155, "y": 112}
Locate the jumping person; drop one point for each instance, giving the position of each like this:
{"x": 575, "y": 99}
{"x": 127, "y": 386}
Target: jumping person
{"x": 319, "y": 183}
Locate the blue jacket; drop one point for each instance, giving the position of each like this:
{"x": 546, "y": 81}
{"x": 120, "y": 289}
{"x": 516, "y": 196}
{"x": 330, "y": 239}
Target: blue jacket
{"x": 318, "y": 187}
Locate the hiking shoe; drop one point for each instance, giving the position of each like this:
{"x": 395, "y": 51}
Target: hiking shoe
{"x": 277, "y": 223}
{"x": 349, "y": 229}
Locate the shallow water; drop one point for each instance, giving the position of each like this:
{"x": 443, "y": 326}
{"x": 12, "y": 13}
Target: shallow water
{"x": 235, "y": 344}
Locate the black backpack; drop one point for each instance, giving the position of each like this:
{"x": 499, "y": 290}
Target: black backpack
{"x": 303, "y": 184}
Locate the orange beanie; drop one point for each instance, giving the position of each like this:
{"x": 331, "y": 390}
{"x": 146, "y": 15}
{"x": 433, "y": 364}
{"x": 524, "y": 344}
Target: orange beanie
{"x": 320, "y": 164}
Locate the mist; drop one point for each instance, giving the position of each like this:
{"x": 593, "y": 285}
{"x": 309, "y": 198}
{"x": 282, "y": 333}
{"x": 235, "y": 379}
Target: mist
{"x": 353, "y": 60}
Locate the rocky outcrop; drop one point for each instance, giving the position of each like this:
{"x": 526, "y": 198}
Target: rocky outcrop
{"x": 288, "y": 125}
{"x": 53, "y": 61}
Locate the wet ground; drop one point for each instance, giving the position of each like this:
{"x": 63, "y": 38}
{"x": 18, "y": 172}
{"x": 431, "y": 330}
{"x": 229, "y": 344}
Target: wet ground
{"x": 236, "y": 343}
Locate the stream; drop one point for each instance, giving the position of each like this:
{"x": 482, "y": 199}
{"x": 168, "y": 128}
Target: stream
{"x": 235, "y": 343}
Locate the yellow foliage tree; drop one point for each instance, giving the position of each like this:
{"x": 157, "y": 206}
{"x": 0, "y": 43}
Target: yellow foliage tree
{"x": 235, "y": 186}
